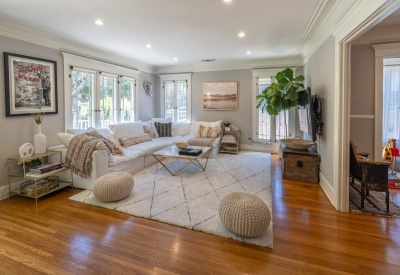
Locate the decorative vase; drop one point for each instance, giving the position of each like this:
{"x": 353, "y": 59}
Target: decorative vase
{"x": 39, "y": 141}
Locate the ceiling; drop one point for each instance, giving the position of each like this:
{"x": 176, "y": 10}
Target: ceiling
{"x": 187, "y": 29}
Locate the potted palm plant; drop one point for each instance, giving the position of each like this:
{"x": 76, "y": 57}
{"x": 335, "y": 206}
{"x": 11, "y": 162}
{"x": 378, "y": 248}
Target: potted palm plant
{"x": 284, "y": 94}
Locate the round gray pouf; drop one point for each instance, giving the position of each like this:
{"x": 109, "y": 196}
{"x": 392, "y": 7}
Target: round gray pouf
{"x": 244, "y": 214}
{"x": 113, "y": 186}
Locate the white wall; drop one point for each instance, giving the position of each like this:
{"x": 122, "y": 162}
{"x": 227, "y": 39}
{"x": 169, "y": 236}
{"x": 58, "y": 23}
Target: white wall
{"x": 319, "y": 72}
{"x": 148, "y": 104}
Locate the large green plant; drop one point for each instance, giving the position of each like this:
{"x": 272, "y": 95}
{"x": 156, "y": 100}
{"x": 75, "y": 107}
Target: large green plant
{"x": 282, "y": 94}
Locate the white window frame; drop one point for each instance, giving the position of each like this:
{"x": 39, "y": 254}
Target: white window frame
{"x": 177, "y": 77}
{"x": 84, "y": 63}
{"x": 267, "y": 73}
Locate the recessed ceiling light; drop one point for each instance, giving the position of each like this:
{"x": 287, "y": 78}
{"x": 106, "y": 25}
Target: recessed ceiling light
{"x": 99, "y": 22}
{"x": 227, "y": 1}
{"x": 148, "y": 46}
{"x": 242, "y": 34}
{"x": 248, "y": 52}
{"x": 175, "y": 58}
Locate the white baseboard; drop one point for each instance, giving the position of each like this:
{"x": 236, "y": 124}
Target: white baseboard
{"x": 269, "y": 148}
{"x": 328, "y": 189}
{"x": 5, "y": 191}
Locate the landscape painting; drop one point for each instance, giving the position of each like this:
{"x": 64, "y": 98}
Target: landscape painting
{"x": 220, "y": 96}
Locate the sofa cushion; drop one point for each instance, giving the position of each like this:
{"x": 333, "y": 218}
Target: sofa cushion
{"x": 75, "y": 131}
{"x": 153, "y": 146}
{"x": 181, "y": 128}
{"x": 207, "y": 131}
{"x": 164, "y": 129}
{"x": 128, "y": 156}
{"x": 198, "y": 141}
{"x": 150, "y": 130}
{"x": 129, "y": 129}
{"x": 129, "y": 141}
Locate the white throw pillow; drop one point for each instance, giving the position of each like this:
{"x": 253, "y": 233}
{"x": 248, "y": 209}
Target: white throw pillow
{"x": 75, "y": 131}
{"x": 65, "y": 138}
{"x": 129, "y": 129}
{"x": 160, "y": 120}
{"x": 195, "y": 127}
{"x": 181, "y": 128}
{"x": 105, "y": 132}
{"x": 218, "y": 124}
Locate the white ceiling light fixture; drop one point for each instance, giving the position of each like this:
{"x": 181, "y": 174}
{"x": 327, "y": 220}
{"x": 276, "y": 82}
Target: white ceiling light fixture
{"x": 227, "y": 1}
{"x": 242, "y": 34}
{"x": 148, "y": 46}
{"x": 176, "y": 58}
{"x": 99, "y": 22}
{"x": 248, "y": 52}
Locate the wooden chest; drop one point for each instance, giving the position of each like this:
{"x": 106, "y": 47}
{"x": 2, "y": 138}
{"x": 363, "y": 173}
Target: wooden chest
{"x": 300, "y": 165}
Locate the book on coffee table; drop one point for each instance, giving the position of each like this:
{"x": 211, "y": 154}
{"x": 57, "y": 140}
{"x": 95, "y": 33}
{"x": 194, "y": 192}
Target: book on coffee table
{"x": 190, "y": 152}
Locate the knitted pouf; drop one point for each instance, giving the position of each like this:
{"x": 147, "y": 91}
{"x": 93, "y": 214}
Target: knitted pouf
{"x": 113, "y": 186}
{"x": 244, "y": 214}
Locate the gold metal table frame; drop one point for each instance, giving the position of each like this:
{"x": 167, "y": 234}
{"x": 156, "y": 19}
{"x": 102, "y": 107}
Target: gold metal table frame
{"x": 172, "y": 152}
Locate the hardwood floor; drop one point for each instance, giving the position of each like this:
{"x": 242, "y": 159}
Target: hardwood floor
{"x": 61, "y": 236}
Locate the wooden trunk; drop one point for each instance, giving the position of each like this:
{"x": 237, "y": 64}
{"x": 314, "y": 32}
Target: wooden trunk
{"x": 300, "y": 165}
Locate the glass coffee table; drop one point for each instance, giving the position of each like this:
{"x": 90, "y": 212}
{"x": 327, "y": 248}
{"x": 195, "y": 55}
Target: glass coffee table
{"x": 172, "y": 152}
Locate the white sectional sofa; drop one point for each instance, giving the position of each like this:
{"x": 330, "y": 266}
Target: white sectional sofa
{"x": 135, "y": 157}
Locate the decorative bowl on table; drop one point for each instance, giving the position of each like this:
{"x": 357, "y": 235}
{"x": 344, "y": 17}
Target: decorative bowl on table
{"x": 181, "y": 145}
{"x": 297, "y": 143}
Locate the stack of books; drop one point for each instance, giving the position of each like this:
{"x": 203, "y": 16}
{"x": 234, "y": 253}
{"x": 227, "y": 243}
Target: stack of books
{"x": 229, "y": 139}
{"x": 44, "y": 168}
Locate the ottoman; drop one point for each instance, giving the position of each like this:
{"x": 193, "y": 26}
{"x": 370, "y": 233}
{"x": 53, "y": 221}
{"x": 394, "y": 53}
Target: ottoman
{"x": 244, "y": 214}
{"x": 113, "y": 186}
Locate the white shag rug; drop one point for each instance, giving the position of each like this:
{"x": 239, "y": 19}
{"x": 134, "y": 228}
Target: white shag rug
{"x": 192, "y": 198}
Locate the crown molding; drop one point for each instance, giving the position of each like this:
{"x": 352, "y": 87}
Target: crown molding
{"x": 22, "y": 31}
{"x": 233, "y": 65}
{"x": 312, "y": 23}
{"x": 378, "y": 34}
{"x": 361, "y": 17}
{"x": 332, "y": 13}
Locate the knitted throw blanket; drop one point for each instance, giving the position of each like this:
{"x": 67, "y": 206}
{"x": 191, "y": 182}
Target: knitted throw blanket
{"x": 80, "y": 152}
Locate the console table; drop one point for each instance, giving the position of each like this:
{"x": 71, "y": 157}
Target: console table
{"x": 300, "y": 165}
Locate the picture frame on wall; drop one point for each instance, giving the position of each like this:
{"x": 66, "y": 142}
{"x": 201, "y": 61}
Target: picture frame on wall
{"x": 30, "y": 85}
{"x": 220, "y": 96}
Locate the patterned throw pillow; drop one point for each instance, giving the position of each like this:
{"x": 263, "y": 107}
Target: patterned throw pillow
{"x": 129, "y": 141}
{"x": 151, "y": 130}
{"x": 207, "y": 131}
{"x": 117, "y": 147}
{"x": 164, "y": 129}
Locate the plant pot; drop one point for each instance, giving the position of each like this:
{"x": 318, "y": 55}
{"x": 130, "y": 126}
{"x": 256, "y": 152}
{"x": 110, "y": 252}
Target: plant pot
{"x": 227, "y": 129}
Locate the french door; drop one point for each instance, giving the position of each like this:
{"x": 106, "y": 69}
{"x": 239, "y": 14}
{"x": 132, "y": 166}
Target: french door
{"x": 176, "y": 100}
{"x": 99, "y": 99}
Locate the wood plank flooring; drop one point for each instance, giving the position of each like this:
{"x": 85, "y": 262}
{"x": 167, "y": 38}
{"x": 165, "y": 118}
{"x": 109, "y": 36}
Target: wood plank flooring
{"x": 60, "y": 236}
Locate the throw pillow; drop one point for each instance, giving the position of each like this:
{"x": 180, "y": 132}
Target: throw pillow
{"x": 65, "y": 138}
{"x": 160, "y": 120}
{"x": 129, "y": 141}
{"x": 118, "y": 149}
{"x": 164, "y": 129}
{"x": 75, "y": 131}
{"x": 207, "y": 132}
{"x": 151, "y": 130}
{"x": 129, "y": 129}
{"x": 105, "y": 132}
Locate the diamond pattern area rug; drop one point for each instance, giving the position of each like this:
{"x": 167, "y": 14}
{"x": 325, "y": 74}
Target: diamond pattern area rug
{"x": 192, "y": 198}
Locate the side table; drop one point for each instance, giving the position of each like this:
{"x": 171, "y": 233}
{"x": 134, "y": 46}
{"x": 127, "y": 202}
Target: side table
{"x": 228, "y": 145}
{"x": 20, "y": 172}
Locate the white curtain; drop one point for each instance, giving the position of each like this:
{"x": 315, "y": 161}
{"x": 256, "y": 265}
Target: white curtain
{"x": 391, "y": 102}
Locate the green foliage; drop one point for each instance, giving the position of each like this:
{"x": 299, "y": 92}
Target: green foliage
{"x": 282, "y": 95}
{"x": 226, "y": 124}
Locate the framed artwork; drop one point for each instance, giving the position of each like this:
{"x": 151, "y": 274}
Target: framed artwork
{"x": 31, "y": 85}
{"x": 220, "y": 96}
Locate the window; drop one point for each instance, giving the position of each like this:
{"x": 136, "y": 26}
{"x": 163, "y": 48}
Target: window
{"x": 391, "y": 100}
{"x": 176, "y": 97}
{"x": 269, "y": 128}
{"x": 98, "y": 99}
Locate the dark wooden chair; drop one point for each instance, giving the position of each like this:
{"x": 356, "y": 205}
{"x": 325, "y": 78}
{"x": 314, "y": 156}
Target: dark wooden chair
{"x": 373, "y": 175}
